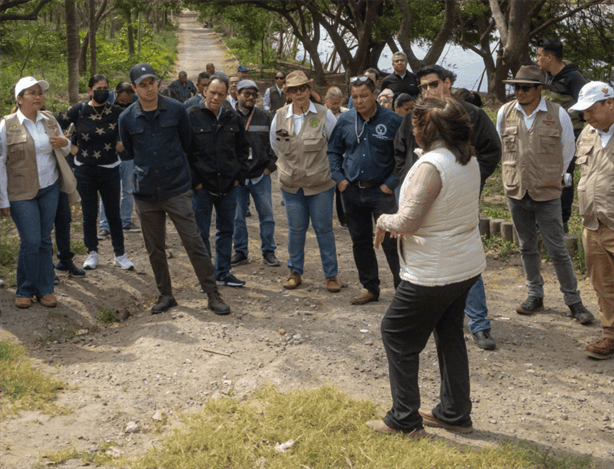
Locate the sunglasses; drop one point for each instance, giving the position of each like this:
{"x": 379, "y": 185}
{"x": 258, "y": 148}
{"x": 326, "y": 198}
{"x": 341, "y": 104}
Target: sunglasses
{"x": 426, "y": 86}
{"x": 298, "y": 89}
{"x": 524, "y": 88}
{"x": 250, "y": 94}
{"x": 280, "y": 78}
{"x": 361, "y": 80}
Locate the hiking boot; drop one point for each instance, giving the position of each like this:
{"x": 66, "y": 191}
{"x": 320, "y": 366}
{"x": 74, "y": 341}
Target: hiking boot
{"x": 238, "y": 259}
{"x": 22, "y": 302}
{"x": 123, "y": 262}
{"x": 131, "y": 228}
{"x": 364, "y": 297}
{"x": 91, "y": 262}
{"x": 103, "y": 234}
{"x": 294, "y": 280}
{"x": 268, "y": 258}
{"x": 230, "y": 281}
{"x": 70, "y": 267}
{"x": 380, "y": 426}
{"x": 216, "y": 303}
{"x": 484, "y": 340}
{"x": 531, "y": 306}
{"x": 431, "y": 421}
{"x": 332, "y": 285}
{"x": 163, "y": 304}
{"x": 582, "y": 315}
{"x": 48, "y": 300}
{"x": 601, "y": 350}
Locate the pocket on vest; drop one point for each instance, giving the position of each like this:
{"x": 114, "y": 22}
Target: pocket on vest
{"x": 510, "y": 175}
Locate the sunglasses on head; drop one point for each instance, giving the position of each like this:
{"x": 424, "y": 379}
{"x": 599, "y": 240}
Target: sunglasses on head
{"x": 361, "y": 80}
{"x": 525, "y": 88}
{"x": 250, "y": 94}
{"x": 426, "y": 86}
{"x": 297, "y": 89}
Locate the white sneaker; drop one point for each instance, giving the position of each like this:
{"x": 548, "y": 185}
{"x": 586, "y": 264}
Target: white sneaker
{"x": 124, "y": 262}
{"x": 92, "y": 261}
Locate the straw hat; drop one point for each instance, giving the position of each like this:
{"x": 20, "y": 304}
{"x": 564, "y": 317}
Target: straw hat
{"x": 297, "y": 78}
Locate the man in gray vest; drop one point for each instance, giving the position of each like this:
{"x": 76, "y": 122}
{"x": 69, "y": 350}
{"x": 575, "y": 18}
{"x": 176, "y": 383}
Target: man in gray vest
{"x": 274, "y": 97}
{"x": 538, "y": 144}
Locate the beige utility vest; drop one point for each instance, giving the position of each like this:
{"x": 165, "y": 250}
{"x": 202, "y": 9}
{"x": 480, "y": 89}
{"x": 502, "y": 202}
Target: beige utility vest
{"x": 21, "y": 167}
{"x": 302, "y": 159}
{"x": 532, "y": 160}
{"x": 596, "y": 185}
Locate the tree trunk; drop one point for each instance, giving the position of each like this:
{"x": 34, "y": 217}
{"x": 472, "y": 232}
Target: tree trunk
{"x": 130, "y": 34}
{"x": 139, "y": 33}
{"x": 92, "y": 22}
{"x": 72, "y": 51}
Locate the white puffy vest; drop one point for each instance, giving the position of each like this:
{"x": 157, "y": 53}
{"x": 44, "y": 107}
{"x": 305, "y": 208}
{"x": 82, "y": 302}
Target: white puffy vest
{"x": 447, "y": 248}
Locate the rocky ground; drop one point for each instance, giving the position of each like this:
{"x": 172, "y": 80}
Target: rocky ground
{"x": 538, "y": 385}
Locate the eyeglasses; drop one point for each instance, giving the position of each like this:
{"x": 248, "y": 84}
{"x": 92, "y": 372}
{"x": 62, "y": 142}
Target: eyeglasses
{"x": 361, "y": 80}
{"x": 35, "y": 93}
{"x": 280, "y": 78}
{"x": 524, "y": 88}
{"x": 298, "y": 89}
{"x": 250, "y": 94}
{"x": 426, "y": 86}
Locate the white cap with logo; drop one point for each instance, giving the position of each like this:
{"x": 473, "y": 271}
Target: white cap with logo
{"x": 592, "y": 93}
{"x": 28, "y": 82}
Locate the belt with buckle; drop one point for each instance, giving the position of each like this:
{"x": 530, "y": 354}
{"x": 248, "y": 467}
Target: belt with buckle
{"x": 365, "y": 184}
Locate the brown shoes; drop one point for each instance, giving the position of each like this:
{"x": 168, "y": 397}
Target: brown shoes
{"x": 48, "y": 300}
{"x": 294, "y": 280}
{"x": 431, "y": 421}
{"x": 601, "y": 350}
{"x": 332, "y": 285}
{"x": 380, "y": 426}
{"x": 364, "y": 297}
{"x": 22, "y": 302}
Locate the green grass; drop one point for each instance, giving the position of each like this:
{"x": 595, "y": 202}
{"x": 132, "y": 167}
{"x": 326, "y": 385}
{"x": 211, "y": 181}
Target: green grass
{"x": 329, "y": 431}
{"x": 106, "y": 316}
{"x": 22, "y": 387}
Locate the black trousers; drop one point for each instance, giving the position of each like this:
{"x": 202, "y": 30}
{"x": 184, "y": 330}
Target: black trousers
{"x": 414, "y": 313}
{"x": 362, "y": 206}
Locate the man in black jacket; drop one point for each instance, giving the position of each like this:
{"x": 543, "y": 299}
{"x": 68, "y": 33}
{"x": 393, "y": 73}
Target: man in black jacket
{"x": 218, "y": 155}
{"x": 436, "y": 82}
{"x": 401, "y": 80}
{"x": 261, "y": 163}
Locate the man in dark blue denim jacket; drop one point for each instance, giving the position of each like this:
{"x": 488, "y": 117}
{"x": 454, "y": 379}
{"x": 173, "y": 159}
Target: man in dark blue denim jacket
{"x": 155, "y": 131}
{"x": 361, "y": 155}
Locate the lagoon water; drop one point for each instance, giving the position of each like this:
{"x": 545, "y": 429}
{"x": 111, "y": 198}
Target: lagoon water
{"x": 467, "y": 65}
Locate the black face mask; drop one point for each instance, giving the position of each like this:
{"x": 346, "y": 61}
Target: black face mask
{"x": 101, "y": 96}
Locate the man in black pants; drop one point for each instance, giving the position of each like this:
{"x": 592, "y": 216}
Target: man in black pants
{"x": 156, "y": 133}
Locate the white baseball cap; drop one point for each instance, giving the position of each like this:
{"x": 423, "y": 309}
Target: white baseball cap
{"x": 592, "y": 93}
{"x": 28, "y": 82}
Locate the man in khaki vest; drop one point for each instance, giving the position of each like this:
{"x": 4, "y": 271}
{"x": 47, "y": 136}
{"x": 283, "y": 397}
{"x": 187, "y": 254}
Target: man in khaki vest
{"x": 538, "y": 144}
{"x": 595, "y": 153}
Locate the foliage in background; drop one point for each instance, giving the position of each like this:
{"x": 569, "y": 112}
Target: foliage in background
{"x": 9, "y": 246}
{"x": 22, "y": 386}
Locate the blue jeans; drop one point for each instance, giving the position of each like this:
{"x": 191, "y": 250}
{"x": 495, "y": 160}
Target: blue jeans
{"x": 526, "y": 214}
{"x": 261, "y": 192}
{"x": 476, "y": 309}
{"x": 92, "y": 180}
{"x": 225, "y": 205}
{"x": 34, "y": 221}
{"x": 319, "y": 208}
{"x": 126, "y": 170}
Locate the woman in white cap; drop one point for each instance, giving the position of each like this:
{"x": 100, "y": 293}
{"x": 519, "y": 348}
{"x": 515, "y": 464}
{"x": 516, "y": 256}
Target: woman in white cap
{"x": 31, "y": 176}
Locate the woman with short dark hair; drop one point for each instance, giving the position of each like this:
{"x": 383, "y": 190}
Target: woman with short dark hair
{"x": 441, "y": 256}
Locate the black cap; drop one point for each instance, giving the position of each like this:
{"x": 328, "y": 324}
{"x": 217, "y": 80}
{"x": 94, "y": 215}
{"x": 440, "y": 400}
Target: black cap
{"x": 141, "y": 71}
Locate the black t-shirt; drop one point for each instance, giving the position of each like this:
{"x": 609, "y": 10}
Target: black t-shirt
{"x": 96, "y": 132}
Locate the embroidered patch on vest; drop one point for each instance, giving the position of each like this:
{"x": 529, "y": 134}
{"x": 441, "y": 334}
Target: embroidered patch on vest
{"x": 314, "y": 122}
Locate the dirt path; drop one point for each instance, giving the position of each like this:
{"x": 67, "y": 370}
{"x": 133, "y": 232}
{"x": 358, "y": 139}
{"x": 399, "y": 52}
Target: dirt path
{"x": 537, "y": 386}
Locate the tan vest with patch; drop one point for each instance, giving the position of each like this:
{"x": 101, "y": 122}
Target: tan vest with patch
{"x": 532, "y": 160}
{"x": 596, "y": 185}
{"x": 302, "y": 159}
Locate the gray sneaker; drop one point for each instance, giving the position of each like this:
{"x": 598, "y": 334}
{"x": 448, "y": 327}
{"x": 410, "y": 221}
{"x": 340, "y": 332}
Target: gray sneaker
{"x": 530, "y": 306}
{"x": 103, "y": 234}
{"x": 216, "y": 303}
{"x": 131, "y": 228}
{"x": 269, "y": 259}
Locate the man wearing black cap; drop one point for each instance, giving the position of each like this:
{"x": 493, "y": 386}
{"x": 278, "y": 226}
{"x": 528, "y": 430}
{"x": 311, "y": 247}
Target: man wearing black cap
{"x": 156, "y": 133}
{"x": 538, "y": 144}
{"x": 242, "y": 72}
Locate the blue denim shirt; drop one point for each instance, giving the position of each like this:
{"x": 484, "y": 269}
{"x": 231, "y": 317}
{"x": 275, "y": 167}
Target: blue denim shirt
{"x": 370, "y": 157}
{"x": 158, "y": 147}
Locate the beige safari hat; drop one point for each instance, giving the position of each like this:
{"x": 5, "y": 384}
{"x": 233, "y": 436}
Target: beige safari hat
{"x": 297, "y": 78}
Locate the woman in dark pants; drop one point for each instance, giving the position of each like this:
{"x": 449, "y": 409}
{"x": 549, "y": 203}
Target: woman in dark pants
{"x": 441, "y": 257}
{"x": 97, "y": 167}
